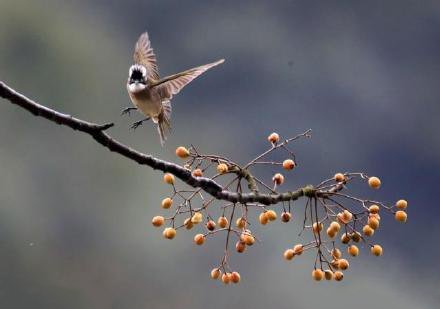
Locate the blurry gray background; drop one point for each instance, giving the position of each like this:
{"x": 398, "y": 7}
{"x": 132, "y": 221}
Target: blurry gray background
{"x": 75, "y": 226}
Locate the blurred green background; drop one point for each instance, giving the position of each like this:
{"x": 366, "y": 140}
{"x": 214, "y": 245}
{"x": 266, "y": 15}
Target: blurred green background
{"x": 75, "y": 226}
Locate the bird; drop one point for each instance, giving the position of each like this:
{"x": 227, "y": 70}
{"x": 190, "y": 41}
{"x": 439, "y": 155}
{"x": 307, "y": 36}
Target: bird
{"x": 152, "y": 95}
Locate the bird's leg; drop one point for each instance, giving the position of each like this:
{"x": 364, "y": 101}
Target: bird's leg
{"x": 138, "y": 123}
{"x": 128, "y": 110}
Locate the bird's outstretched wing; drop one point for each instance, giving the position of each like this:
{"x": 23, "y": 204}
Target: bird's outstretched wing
{"x": 144, "y": 55}
{"x": 172, "y": 84}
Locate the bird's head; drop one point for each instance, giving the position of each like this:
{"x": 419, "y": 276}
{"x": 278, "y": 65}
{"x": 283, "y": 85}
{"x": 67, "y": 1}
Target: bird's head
{"x": 137, "y": 78}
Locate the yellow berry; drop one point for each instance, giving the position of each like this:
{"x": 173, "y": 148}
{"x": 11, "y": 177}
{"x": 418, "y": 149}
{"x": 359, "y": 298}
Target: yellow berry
{"x": 222, "y": 168}
{"x": 210, "y": 225}
{"x": 334, "y": 263}
{"x": 240, "y": 246}
{"x": 368, "y": 231}
{"x": 273, "y": 138}
{"x": 188, "y": 224}
{"x": 401, "y": 216}
{"x": 199, "y": 239}
{"x": 353, "y": 250}
{"x": 345, "y": 216}
{"x": 247, "y": 238}
{"x": 197, "y": 172}
{"x": 298, "y": 249}
{"x": 289, "y": 254}
{"x": 335, "y": 226}
{"x": 168, "y": 178}
{"x": 317, "y": 274}
{"x": 158, "y": 221}
{"x": 401, "y": 204}
{"x": 271, "y": 215}
{"x": 373, "y": 209}
{"x": 235, "y": 277}
{"x": 286, "y": 216}
{"x": 373, "y": 222}
{"x": 197, "y": 218}
{"x": 345, "y": 238}
{"x": 182, "y": 152}
{"x": 263, "y": 218}
{"x": 343, "y": 264}
{"x": 339, "y": 177}
{"x": 328, "y": 274}
{"x": 215, "y": 273}
{"x": 169, "y": 233}
{"x": 240, "y": 223}
{"x": 336, "y": 253}
{"x": 288, "y": 164}
{"x": 377, "y": 250}
{"x": 339, "y": 275}
{"x": 278, "y": 179}
{"x": 374, "y": 182}
{"x": 167, "y": 202}
{"x": 331, "y": 233}
{"x": 222, "y": 222}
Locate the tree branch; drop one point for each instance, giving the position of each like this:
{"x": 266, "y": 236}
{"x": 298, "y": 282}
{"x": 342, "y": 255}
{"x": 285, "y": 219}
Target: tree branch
{"x": 98, "y": 134}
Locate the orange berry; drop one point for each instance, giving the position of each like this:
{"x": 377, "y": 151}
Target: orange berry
{"x": 197, "y": 172}
{"x": 317, "y": 227}
{"x": 336, "y": 253}
{"x": 373, "y": 222}
{"x": 263, "y": 218}
{"x": 278, "y": 179}
{"x": 286, "y": 216}
{"x": 374, "y": 209}
{"x": 169, "y": 233}
{"x": 167, "y": 202}
{"x": 289, "y": 254}
{"x": 335, "y": 226}
{"x": 188, "y": 224}
{"x": 345, "y": 216}
{"x": 345, "y": 238}
{"x": 353, "y": 250}
{"x": 335, "y": 264}
{"x": 215, "y": 273}
{"x": 288, "y": 164}
{"x": 197, "y": 218}
{"x": 158, "y": 221}
{"x": 240, "y": 246}
{"x": 235, "y": 277}
{"x": 298, "y": 249}
{"x": 210, "y": 225}
{"x": 328, "y": 274}
{"x": 222, "y": 168}
{"x": 168, "y": 178}
{"x": 339, "y": 177}
{"x": 182, "y": 152}
{"x": 199, "y": 239}
{"x": 222, "y": 222}
{"x": 401, "y": 216}
{"x": 240, "y": 223}
{"x": 401, "y": 204}
{"x": 317, "y": 274}
{"x": 225, "y": 278}
{"x": 247, "y": 238}
{"x": 273, "y": 138}
{"x": 331, "y": 233}
{"x": 374, "y": 182}
{"x": 355, "y": 236}
{"x": 377, "y": 250}
{"x": 367, "y": 230}
{"x": 271, "y": 215}
{"x": 339, "y": 275}
{"x": 343, "y": 264}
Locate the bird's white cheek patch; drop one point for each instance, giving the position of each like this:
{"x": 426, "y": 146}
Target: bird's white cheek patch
{"x": 136, "y": 87}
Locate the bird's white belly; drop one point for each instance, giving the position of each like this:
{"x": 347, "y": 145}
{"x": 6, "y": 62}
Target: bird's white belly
{"x": 148, "y": 108}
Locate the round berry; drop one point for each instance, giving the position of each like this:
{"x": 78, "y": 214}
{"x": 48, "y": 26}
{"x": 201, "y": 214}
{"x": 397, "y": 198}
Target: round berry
{"x": 335, "y": 226}
{"x": 336, "y": 253}
{"x": 317, "y": 274}
{"x": 345, "y": 238}
{"x": 240, "y": 246}
{"x": 328, "y": 274}
{"x": 289, "y": 254}
{"x": 298, "y": 249}
{"x": 197, "y": 218}
{"x": 353, "y": 250}
{"x": 273, "y": 138}
{"x": 158, "y": 221}
{"x": 367, "y": 230}
{"x": 182, "y": 152}
{"x": 286, "y": 216}
{"x": 401, "y": 204}
{"x": 169, "y": 233}
{"x": 373, "y": 222}
{"x": 240, "y": 223}
{"x": 339, "y": 177}
{"x": 271, "y": 215}
{"x": 197, "y": 172}
{"x": 331, "y": 233}
{"x": 235, "y": 277}
{"x": 288, "y": 164}
{"x": 166, "y": 203}
{"x": 168, "y": 178}
{"x": 210, "y": 225}
{"x": 215, "y": 273}
{"x": 222, "y": 168}
{"x": 222, "y": 222}
{"x": 343, "y": 264}
{"x": 317, "y": 227}
{"x": 263, "y": 218}
{"x": 199, "y": 239}
{"x": 377, "y": 250}
{"x": 225, "y": 278}
{"x": 278, "y": 179}
{"x": 339, "y": 275}
{"x": 373, "y": 209}
{"x": 374, "y": 182}
{"x": 401, "y": 216}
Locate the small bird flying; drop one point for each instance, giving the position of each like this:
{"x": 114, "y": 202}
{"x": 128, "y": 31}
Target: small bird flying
{"x": 152, "y": 95}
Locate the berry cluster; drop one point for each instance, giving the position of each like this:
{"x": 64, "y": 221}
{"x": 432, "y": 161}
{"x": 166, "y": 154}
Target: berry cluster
{"x": 332, "y": 217}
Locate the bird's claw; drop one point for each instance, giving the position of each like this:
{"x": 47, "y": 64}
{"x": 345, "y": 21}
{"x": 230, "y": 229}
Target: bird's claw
{"x": 127, "y": 111}
{"x": 136, "y": 124}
